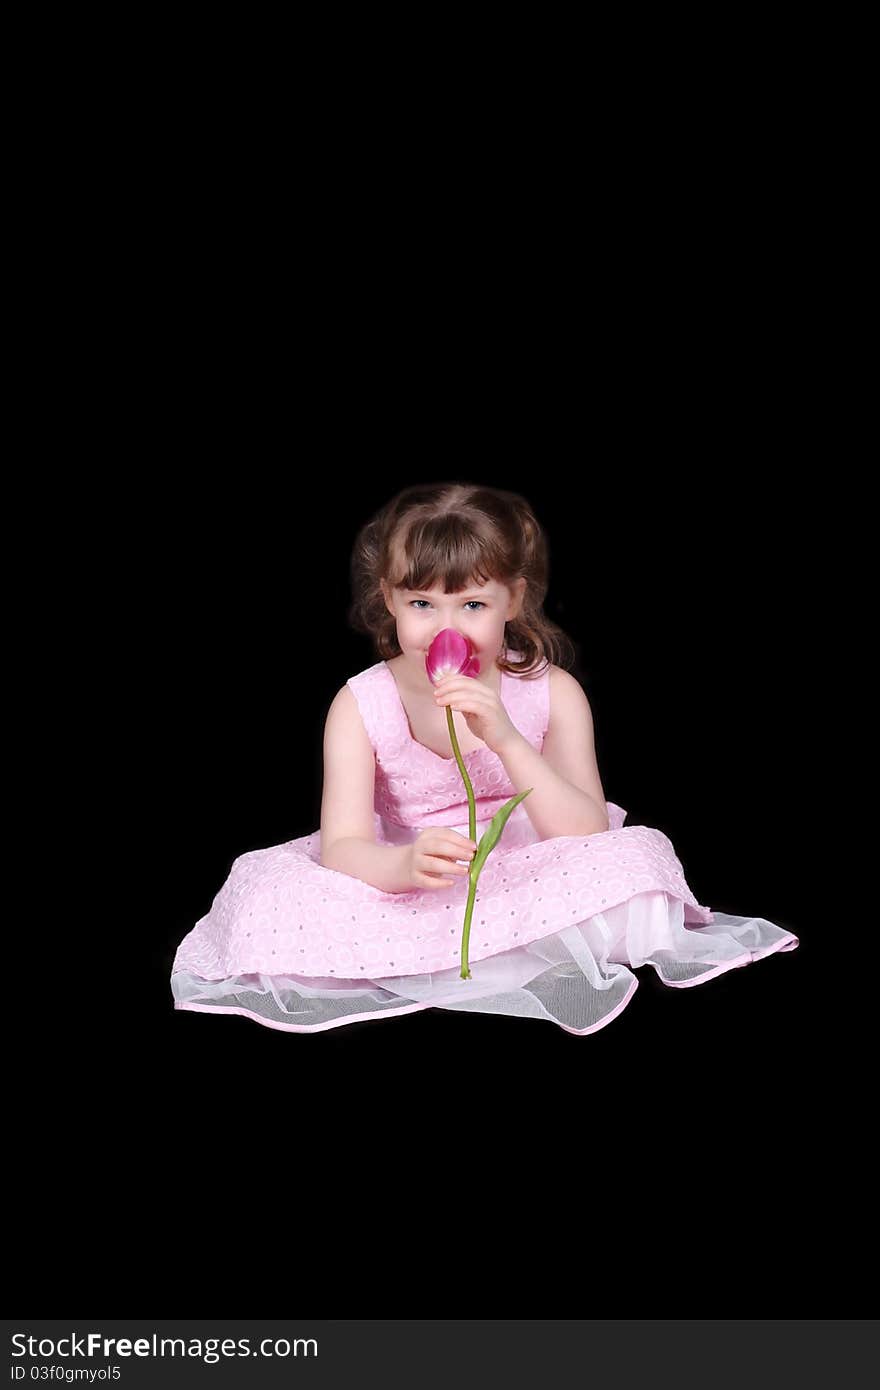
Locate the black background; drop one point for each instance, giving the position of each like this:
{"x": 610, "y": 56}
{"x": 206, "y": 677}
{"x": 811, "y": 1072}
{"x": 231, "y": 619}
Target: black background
{"x": 643, "y": 410}
{"x": 675, "y": 569}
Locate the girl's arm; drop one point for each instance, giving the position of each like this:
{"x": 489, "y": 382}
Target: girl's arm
{"x": 382, "y": 866}
{"x": 554, "y": 806}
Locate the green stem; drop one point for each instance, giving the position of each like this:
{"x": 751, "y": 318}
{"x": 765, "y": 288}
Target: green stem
{"x": 472, "y": 834}
{"x": 472, "y": 809}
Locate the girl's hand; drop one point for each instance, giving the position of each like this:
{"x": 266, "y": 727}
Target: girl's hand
{"x": 434, "y": 853}
{"x": 484, "y": 713}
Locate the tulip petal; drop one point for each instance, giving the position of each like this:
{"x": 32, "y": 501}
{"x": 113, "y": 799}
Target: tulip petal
{"x": 449, "y": 654}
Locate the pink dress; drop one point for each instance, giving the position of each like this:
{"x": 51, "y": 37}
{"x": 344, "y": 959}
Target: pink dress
{"x": 557, "y": 928}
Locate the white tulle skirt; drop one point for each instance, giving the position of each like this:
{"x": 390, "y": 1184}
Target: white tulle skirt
{"x": 579, "y": 977}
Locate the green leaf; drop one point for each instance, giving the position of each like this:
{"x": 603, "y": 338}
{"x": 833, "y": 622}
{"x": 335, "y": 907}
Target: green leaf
{"x": 492, "y": 833}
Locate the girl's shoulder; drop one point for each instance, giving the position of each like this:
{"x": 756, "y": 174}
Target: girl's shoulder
{"x": 564, "y": 684}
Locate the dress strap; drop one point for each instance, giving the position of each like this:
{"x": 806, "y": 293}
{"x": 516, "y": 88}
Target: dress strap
{"x": 380, "y": 708}
{"x": 528, "y": 703}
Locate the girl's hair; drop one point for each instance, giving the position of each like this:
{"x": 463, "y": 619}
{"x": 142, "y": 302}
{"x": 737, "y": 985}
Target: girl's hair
{"x": 455, "y": 533}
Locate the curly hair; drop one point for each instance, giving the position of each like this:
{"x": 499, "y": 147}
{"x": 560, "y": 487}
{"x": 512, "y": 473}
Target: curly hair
{"x": 458, "y": 533}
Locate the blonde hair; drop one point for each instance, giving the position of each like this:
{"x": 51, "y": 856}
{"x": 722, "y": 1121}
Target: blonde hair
{"x": 453, "y": 533}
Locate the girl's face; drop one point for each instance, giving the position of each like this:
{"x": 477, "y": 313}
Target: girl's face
{"x": 478, "y": 613}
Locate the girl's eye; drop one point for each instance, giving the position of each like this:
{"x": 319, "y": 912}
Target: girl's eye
{"x": 477, "y": 601}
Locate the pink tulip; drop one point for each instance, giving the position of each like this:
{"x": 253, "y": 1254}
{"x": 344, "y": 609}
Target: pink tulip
{"x": 451, "y": 654}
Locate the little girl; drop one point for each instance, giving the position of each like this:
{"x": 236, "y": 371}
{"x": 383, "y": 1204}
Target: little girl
{"x": 363, "y": 919}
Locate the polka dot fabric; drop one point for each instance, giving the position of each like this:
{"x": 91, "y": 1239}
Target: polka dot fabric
{"x": 284, "y": 931}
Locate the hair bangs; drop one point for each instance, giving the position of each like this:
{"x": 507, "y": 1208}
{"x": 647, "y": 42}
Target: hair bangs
{"x": 445, "y": 551}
